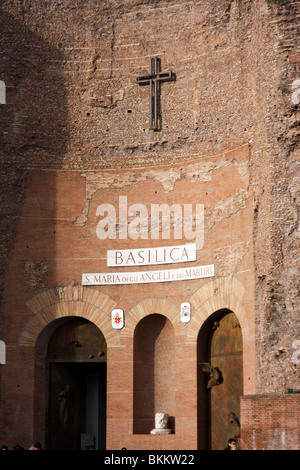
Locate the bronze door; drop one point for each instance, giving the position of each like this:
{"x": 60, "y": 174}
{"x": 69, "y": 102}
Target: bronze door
{"x": 220, "y": 380}
{"x": 225, "y": 353}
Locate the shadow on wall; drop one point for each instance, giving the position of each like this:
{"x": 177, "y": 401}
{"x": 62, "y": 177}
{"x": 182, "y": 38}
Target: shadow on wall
{"x": 33, "y": 136}
{"x": 32, "y": 123}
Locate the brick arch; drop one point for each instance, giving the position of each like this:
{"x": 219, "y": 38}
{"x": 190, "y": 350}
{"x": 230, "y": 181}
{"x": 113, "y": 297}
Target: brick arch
{"x": 80, "y": 301}
{"x": 158, "y": 305}
{"x": 225, "y": 293}
{"x": 221, "y": 293}
{"x": 151, "y": 325}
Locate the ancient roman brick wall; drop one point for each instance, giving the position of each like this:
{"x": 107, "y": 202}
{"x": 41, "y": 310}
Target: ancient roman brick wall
{"x": 271, "y": 422}
{"x": 75, "y": 133}
{"x": 275, "y": 183}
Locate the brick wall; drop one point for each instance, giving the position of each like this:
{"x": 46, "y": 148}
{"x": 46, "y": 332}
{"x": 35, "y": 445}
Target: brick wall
{"x": 270, "y": 422}
{"x": 74, "y": 133}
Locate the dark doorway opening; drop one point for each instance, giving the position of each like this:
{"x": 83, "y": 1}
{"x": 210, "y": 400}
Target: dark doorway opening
{"x": 220, "y": 380}
{"x": 77, "y": 409}
{"x": 76, "y": 384}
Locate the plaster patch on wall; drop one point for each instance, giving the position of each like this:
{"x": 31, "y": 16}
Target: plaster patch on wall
{"x": 37, "y": 274}
{"x": 228, "y": 257}
{"x": 201, "y": 171}
{"x": 243, "y": 169}
{"x": 296, "y": 92}
{"x": 296, "y": 354}
{"x": 226, "y": 208}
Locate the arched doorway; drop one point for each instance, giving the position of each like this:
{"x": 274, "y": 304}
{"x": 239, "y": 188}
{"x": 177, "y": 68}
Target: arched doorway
{"x": 154, "y": 389}
{"x": 220, "y": 380}
{"x": 76, "y": 369}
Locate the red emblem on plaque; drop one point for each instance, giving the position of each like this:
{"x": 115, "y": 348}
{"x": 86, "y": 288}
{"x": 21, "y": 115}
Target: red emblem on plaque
{"x": 117, "y": 318}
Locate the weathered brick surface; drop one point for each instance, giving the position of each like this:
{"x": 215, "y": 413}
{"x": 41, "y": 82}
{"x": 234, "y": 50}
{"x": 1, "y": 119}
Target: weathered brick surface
{"x": 74, "y": 134}
{"x": 270, "y": 422}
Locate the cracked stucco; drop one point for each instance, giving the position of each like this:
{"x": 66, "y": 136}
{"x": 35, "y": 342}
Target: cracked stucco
{"x": 201, "y": 171}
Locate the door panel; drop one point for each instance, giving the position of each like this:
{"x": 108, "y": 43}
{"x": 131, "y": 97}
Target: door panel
{"x": 225, "y": 353}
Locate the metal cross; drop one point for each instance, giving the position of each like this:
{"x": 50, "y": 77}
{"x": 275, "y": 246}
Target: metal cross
{"x": 154, "y": 78}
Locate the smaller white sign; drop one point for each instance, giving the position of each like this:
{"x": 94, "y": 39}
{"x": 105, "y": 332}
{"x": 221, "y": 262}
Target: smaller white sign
{"x": 185, "y": 312}
{"x": 2, "y": 92}
{"x": 117, "y": 318}
{"x": 296, "y": 354}
{"x": 2, "y": 353}
{"x": 151, "y": 256}
{"x": 142, "y": 277}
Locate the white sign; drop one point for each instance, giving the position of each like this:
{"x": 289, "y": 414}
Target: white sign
{"x": 117, "y": 318}
{"x": 185, "y": 312}
{"x": 296, "y": 354}
{"x": 142, "y": 277}
{"x": 2, "y": 92}
{"x": 296, "y": 93}
{"x": 2, "y": 353}
{"x": 150, "y": 256}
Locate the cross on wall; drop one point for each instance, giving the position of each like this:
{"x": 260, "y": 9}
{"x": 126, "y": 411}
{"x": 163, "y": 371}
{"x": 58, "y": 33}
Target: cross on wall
{"x": 154, "y": 79}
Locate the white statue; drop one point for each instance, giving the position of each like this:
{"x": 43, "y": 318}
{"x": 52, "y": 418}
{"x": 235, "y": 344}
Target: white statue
{"x": 161, "y": 423}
